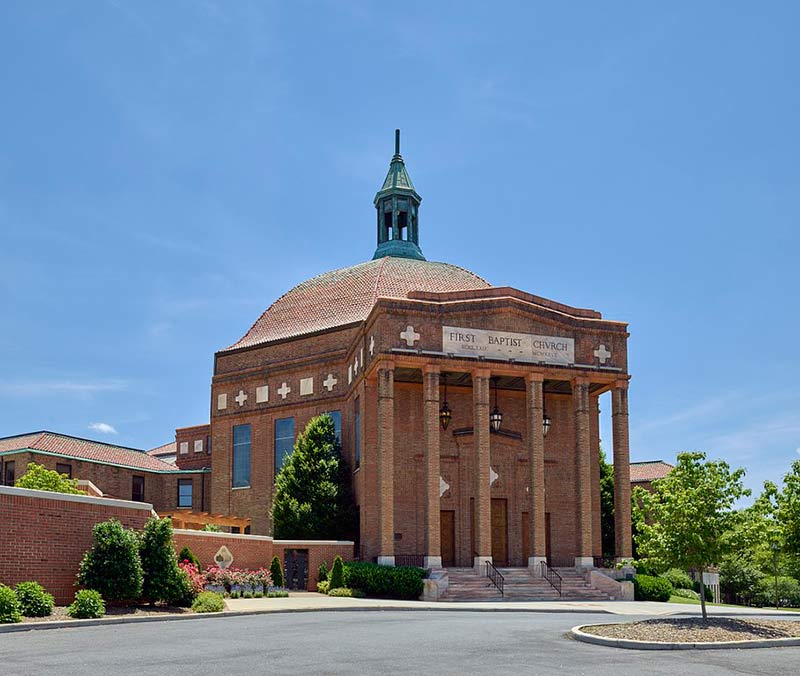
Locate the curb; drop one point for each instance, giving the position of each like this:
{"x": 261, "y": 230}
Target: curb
{"x": 630, "y": 644}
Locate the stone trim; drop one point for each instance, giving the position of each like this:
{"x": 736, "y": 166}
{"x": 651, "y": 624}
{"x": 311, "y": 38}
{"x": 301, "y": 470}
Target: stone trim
{"x": 66, "y": 497}
{"x": 212, "y": 534}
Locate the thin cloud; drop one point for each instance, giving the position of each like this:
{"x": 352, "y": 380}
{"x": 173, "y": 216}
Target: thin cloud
{"x": 103, "y": 428}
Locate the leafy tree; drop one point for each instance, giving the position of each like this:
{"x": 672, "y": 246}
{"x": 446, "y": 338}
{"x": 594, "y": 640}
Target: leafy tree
{"x": 607, "y": 506}
{"x": 738, "y": 578}
{"x": 313, "y": 499}
{"x": 39, "y": 478}
{"x": 113, "y": 566}
{"x": 336, "y": 578}
{"x": 163, "y": 579}
{"x": 683, "y": 522}
{"x": 276, "y": 572}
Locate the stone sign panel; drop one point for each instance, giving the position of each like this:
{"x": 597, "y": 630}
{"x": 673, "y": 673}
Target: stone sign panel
{"x": 507, "y": 345}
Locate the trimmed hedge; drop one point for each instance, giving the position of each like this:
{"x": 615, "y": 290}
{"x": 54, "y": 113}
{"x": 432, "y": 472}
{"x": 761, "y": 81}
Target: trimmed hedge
{"x": 386, "y": 582}
{"x": 649, "y": 588}
{"x": 208, "y": 602}
{"x": 113, "y": 565}
{"x": 34, "y": 601}
{"x": 349, "y": 593}
{"x": 88, "y": 605}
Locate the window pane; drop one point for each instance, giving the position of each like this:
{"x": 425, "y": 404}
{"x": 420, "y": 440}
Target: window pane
{"x": 63, "y": 468}
{"x": 241, "y": 456}
{"x": 137, "y": 488}
{"x": 337, "y": 424}
{"x": 9, "y": 472}
{"x": 184, "y": 492}
{"x": 284, "y": 441}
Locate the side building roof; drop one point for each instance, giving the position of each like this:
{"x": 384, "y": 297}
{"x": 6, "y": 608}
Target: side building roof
{"x": 649, "y": 470}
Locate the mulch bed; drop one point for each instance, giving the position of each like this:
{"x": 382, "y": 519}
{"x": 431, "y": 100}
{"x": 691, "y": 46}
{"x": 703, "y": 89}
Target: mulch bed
{"x": 60, "y": 612}
{"x": 694, "y": 630}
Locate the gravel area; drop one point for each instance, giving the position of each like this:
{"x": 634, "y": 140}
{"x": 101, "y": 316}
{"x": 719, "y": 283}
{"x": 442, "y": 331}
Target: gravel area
{"x": 694, "y": 630}
{"x": 60, "y": 612}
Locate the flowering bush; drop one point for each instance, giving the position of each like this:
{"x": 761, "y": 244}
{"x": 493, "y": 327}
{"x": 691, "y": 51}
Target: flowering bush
{"x": 233, "y": 579}
{"x": 197, "y": 580}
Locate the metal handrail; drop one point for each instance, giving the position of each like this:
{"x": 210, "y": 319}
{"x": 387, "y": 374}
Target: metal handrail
{"x": 551, "y": 576}
{"x": 496, "y": 577}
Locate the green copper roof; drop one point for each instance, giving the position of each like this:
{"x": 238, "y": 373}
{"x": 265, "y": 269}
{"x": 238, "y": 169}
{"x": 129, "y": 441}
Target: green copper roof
{"x": 397, "y": 180}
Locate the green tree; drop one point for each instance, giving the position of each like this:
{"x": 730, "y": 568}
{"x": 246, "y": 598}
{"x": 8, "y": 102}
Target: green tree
{"x": 313, "y": 499}
{"x": 336, "y": 578}
{"x": 683, "y": 522}
{"x": 787, "y": 516}
{"x": 607, "y": 506}
{"x": 276, "y": 572}
{"x": 113, "y": 566}
{"x": 39, "y": 478}
{"x": 163, "y": 579}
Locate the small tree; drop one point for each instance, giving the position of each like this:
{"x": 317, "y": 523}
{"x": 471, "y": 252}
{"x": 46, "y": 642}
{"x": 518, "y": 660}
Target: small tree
{"x": 276, "y": 572}
{"x": 607, "y": 506}
{"x": 163, "y": 579}
{"x": 683, "y": 522}
{"x": 312, "y": 490}
{"x": 39, "y": 478}
{"x": 336, "y": 578}
{"x": 113, "y": 566}
{"x": 187, "y": 554}
{"x": 322, "y": 572}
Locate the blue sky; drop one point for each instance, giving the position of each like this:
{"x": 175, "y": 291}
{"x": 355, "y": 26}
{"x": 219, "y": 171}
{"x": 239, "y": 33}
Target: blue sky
{"x": 169, "y": 169}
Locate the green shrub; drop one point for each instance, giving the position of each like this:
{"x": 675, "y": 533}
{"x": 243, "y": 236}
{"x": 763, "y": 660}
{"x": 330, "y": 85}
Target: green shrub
{"x": 350, "y": 593}
{"x": 211, "y": 528}
{"x": 9, "y": 606}
{"x": 788, "y": 592}
{"x": 709, "y": 591}
{"x": 258, "y": 595}
{"x": 686, "y": 594}
{"x": 322, "y": 587}
{"x": 678, "y": 578}
{"x": 649, "y": 588}
{"x": 387, "y": 582}
{"x": 88, "y": 605}
{"x": 235, "y": 594}
{"x": 34, "y": 601}
{"x": 336, "y": 578}
{"x": 163, "y": 580}
{"x": 208, "y": 602}
{"x": 113, "y": 566}
{"x": 187, "y": 554}
{"x": 282, "y": 594}
{"x": 276, "y": 572}
{"x": 38, "y": 478}
{"x": 322, "y": 571}
{"x": 247, "y": 595}
{"x": 644, "y": 567}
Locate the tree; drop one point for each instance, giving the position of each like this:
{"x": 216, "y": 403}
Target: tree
{"x": 607, "y": 506}
{"x": 38, "y": 478}
{"x": 683, "y": 522}
{"x": 336, "y": 578}
{"x": 113, "y": 566}
{"x": 276, "y": 572}
{"x": 787, "y": 503}
{"x": 163, "y": 579}
{"x": 313, "y": 499}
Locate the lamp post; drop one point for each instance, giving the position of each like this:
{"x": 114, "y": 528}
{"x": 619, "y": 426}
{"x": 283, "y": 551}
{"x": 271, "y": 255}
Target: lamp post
{"x": 495, "y": 418}
{"x": 445, "y": 414}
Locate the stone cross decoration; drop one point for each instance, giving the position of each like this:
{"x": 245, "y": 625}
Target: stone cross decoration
{"x": 240, "y": 398}
{"x": 602, "y": 354}
{"x": 330, "y": 382}
{"x": 493, "y": 476}
{"x": 284, "y": 390}
{"x": 443, "y": 486}
{"x": 355, "y": 366}
{"x": 410, "y": 336}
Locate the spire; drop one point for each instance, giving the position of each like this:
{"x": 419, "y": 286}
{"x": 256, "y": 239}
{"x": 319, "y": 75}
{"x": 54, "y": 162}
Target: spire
{"x": 397, "y": 204}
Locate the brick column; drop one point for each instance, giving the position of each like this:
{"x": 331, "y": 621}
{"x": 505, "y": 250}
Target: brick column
{"x": 483, "y": 499}
{"x": 430, "y": 387}
{"x": 386, "y": 462}
{"x": 622, "y": 471}
{"x": 583, "y": 458}
{"x": 536, "y": 521}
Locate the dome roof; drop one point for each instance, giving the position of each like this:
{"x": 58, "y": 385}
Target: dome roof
{"x": 348, "y": 295}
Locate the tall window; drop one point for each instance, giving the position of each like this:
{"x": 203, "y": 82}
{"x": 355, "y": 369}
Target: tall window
{"x": 357, "y": 430}
{"x": 336, "y": 416}
{"x": 241, "y": 456}
{"x": 184, "y": 493}
{"x": 284, "y": 441}
{"x": 64, "y": 468}
{"x": 8, "y": 472}
{"x": 137, "y": 489}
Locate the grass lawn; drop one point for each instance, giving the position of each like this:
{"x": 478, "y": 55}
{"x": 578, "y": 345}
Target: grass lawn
{"x": 696, "y": 602}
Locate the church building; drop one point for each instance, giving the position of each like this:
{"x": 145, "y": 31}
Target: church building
{"x": 468, "y": 412}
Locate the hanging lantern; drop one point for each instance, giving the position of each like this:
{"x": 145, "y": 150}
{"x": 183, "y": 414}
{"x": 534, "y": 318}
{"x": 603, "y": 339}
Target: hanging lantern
{"x": 546, "y": 422}
{"x": 445, "y": 414}
{"x": 495, "y": 417}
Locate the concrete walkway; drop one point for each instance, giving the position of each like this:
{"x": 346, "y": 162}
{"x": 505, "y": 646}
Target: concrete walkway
{"x": 305, "y": 601}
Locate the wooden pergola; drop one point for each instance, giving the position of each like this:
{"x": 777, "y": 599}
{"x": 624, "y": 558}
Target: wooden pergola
{"x": 182, "y": 518}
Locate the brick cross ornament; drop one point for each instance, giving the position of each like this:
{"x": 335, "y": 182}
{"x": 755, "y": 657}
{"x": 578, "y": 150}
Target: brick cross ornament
{"x": 410, "y": 336}
{"x": 602, "y": 354}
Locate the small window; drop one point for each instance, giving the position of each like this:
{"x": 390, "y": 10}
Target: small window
{"x": 64, "y": 468}
{"x": 185, "y": 493}
{"x": 357, "y": 431}
{"x": 208, "y": 444}
{"x": 284, "y": 441}
{"x": 198, "y": 446}
{"x": 137, "y": 489}
{"x": 8, "y": 471}
{"x": 184, "y": 447}
{"x": 240, "y": 474}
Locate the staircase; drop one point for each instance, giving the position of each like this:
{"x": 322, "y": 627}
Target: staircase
{"x": 467, "y": 585}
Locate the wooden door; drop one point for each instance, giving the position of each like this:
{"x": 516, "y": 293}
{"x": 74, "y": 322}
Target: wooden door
{"x": 447, "y": 518}
{"x": 295, "y": 568}
{"x": 526, "y": 542}
{"x": 500, "y": 531}
{"x": 547, "y": 537}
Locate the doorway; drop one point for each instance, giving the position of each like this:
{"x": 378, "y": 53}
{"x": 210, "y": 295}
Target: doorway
{"x": 447, "y": 519}
{"x": 500, "y": 531}
{"x": 295, "y": 566}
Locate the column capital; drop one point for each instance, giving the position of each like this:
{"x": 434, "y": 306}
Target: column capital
{"x": 481, "y": 373}
{"x": 431, "y": 368}
{"x": 620, "y": 384}
{"x": 581, "y": 380}
{"x": 384, "y": 364}
{"x": 535, "y": 377}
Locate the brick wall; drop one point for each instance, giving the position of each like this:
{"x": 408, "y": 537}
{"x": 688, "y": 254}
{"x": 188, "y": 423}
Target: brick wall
{"x": 43, "y": 536}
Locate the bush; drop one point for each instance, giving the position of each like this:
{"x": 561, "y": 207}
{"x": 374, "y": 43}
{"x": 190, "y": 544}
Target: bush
{"x": 163, "y": 580}
{"x": 247, "y": 595}
{"x": 276, "y": 572}
{"x": 388, "y": 582}
{"x": 336, "y": 578}
{"x": 88, "y": 605}
{"x": 258, "y": 595}
{"x": 34, "y": 601}
{"x": 678, "y": 578}
{"x": 322, "y": 571}
{"x": 282, "y": 594}
{"x": 644, "y": 567}
{"x": 788, "y": 592}
{"x": 9, "y": 606}
{"x": 709, "y": 591}
{"x": 113, "y": 566}
{"x": 211, "y": 528}
{"x": 322, "y": 587}
{"x": 208, "y": 602}
{"x": 350, "y": 593}
{"x": 38, "y": 478}
{"x": 649, "y": 588}
{"x": 187, "y": 554}
{"x": 686, "y": 594}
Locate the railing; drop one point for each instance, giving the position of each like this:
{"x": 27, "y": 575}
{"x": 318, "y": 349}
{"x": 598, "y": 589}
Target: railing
{"x": 551, "y": 576}
{"x": 417, "y": 560}
{"x": 496, "y": 577}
